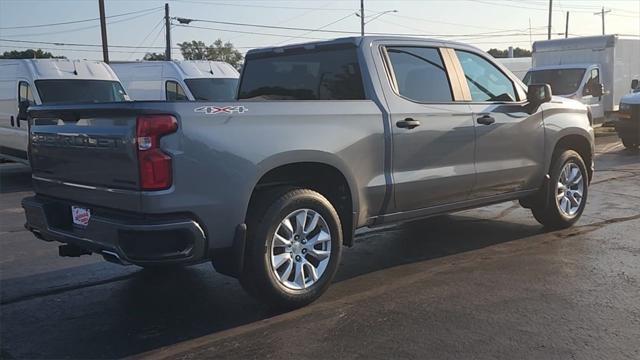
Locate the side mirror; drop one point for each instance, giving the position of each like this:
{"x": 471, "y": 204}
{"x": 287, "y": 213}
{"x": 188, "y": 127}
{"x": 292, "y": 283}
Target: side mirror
{"x": 22, "y": 109}
{"x": 634, "y": 84}
{"x": 538, "y": 94}
{"x": 597, "y": 90}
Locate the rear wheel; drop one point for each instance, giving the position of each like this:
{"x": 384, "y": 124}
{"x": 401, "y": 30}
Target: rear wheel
{"x": 562, "y": 204}
{"x": 293, "y": 247}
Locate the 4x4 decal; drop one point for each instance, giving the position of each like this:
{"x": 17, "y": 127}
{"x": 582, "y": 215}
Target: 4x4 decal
{"x": 214, "y": 110}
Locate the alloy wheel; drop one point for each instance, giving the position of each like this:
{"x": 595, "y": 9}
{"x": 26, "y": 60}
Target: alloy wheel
{"x": 300, "y": 249}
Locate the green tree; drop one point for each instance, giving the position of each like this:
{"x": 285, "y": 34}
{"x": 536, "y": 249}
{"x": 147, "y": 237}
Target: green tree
{"x": 218, "y": 51}
{"x": 154, "y": 57}
{"x": 193, "y": 50}
{"x": 29, "y": 54}
{"x": 517, "y": 52}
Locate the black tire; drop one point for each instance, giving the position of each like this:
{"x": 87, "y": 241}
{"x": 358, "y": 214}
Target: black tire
{"x": 546, "y": 209}
{"x": 629, "y": 144}
{"x": 270, "y": 209}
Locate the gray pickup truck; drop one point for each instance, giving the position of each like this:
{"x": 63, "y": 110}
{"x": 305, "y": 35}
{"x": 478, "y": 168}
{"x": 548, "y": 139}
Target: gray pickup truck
{"x": 324, "y": 138}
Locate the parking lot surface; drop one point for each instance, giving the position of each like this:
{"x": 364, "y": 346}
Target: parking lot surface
{"x": 485, "y": 283}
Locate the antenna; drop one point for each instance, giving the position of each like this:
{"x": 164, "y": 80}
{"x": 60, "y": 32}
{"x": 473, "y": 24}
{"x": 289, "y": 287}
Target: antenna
{"x": 75, "y": 72}
{"x": 210, "y": 69}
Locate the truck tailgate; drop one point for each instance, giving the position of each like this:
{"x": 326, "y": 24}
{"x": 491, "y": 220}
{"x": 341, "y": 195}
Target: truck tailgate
{"x": 85, "y": 153}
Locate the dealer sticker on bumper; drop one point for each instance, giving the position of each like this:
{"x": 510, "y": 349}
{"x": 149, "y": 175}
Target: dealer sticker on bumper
{"x": 80, "y": 216}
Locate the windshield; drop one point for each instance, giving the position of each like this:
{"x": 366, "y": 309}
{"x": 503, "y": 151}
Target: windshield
{"x": 208, "y": 89}
{"x": 80, "y": 91}
{"x": 562, "y": 81}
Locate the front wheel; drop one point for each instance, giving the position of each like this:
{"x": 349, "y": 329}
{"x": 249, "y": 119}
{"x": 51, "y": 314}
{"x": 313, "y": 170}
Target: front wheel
{"x": 565, "y": 199}
{"x": 293, "y": 247}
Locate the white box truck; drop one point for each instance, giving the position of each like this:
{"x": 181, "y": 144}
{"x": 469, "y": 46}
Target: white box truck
{"x": 186, "y": 80}
{"x": 519, "y": 66}
{"x": 596, "y": 70}
{"x": 25, "y": 82}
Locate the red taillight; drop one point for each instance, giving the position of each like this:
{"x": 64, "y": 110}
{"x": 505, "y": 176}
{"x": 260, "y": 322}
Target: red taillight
{"x": 154, "y": 164}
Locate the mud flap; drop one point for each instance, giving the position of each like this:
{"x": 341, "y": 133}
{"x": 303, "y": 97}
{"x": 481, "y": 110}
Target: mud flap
{"x": 230, "y": 261}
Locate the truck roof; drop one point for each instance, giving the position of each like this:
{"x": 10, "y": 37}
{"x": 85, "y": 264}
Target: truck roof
{"x": 187, "y": 69}
{"x": 562, "y": 66}
{"x": 58, "y": 69}
{"x": 358, "y": 41}
{"x": 582, "y": 42}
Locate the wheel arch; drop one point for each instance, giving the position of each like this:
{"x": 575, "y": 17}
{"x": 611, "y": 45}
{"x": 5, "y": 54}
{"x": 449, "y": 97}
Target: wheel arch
{"x": 577, "y": 142}
{"x": 319, "y": 171}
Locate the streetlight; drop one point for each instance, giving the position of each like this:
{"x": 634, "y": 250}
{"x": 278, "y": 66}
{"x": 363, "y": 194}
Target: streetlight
{"x": 375, "y": 16}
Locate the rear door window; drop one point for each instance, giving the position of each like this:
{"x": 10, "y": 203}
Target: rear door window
{"x": 317, "y": 74}
{"x": 420, "y": 74}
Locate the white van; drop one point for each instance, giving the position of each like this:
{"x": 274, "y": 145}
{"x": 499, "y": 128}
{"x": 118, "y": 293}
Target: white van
{"x": 186, "y": 80}
{"x": 48, "y": 81}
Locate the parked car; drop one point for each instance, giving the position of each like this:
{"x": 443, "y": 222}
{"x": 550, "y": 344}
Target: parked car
{"x": 595, "y": 70}
{"x": 628, "y": 123}
{"x": 519, "y": 66}
{"x": 326, "y": 137}
{"x": 47, "y": 81}
{"x": 187, "y": 80}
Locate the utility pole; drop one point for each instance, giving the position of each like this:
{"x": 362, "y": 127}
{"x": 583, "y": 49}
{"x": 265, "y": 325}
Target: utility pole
{"x": 550, "y": 13}
{"x": 566, "y": 27}
{"x": 530, "y": 37}
{"x": 361, "y": 17}
{"x": 602, "y": 13}
{"x": 167, "y": 31}
{"x": 103, "y": 30}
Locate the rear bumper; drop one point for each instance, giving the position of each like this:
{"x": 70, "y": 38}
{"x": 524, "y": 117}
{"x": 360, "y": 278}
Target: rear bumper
{"x": 126, "y": 237}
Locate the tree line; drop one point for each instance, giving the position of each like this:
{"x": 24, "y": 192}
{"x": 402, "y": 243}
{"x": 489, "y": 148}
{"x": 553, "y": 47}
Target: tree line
{"x": 191, "y": 50}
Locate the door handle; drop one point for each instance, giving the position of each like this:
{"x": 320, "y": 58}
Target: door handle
{"x": 486, "y": 120}
{"x": 408, "y": 123}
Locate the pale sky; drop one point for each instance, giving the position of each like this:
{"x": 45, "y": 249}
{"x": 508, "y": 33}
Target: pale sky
{"x": 484, "y": 23}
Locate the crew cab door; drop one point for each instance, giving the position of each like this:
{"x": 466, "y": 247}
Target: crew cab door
{"x": 432, "y": 134}
{"x": 509, "y": 151}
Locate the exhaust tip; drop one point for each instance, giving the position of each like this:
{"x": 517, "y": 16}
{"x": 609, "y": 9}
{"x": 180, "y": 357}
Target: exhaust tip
{"x": 112, "y": 257}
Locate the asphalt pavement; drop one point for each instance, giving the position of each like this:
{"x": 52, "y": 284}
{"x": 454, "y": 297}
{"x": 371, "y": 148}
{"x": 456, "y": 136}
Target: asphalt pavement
{"x": 484, "y": 284}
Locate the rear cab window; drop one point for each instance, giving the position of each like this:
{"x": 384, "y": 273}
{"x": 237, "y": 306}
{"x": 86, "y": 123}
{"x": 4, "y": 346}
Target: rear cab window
{"x": 323, "y": 73}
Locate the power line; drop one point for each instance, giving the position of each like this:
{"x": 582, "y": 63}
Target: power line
{"x": 76, "y": 21}
{"x": 146, "y": 37}
{"x": 96, "y": 45}
{"x": 246, "y": 32}
{"x": 519, "y": 6}
{"x": 263, "y": 6}
{"x": 262, "y": 26}
{"x": 320, "y": 28}
{"x": 80, "y": 28}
